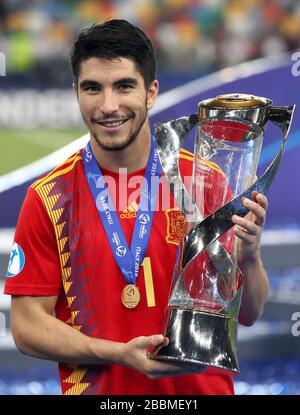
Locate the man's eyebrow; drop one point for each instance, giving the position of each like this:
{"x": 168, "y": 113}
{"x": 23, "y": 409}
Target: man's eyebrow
{"x": 90, "y": 83}
{"x": 128, "y": 80}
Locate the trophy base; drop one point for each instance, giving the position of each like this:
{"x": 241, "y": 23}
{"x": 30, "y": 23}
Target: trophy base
{"x": 200, "y": 338}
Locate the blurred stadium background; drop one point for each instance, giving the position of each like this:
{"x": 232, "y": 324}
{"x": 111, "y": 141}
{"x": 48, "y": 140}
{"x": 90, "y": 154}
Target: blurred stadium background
{"x": 204, "y": 47}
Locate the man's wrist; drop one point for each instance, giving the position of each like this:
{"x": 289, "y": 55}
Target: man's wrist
{"x": 251, "y": 261}
{"x": 107, "y": 352}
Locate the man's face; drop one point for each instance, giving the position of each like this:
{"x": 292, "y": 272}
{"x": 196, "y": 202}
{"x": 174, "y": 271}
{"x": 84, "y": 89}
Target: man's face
{"x": 114, "y": 101}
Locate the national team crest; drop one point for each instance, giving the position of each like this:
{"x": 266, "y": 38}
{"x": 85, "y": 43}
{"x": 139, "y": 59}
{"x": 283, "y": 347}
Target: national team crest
{"x": 176, "y": 226}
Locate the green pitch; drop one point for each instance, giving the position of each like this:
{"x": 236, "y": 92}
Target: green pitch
{"x": 19, "y": 147}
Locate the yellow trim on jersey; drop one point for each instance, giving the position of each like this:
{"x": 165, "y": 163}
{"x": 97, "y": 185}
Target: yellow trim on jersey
{"x": 43, "y": 189}
{"x": 75, "y": 378}
{"x": 212, "y": 165}
{"x": 186, "y": 155}
{"x": 56, "y": 173}
{"x": 54, "y": 215}
{"x": 69, "y": 160}
{"x": 146, "y": 264}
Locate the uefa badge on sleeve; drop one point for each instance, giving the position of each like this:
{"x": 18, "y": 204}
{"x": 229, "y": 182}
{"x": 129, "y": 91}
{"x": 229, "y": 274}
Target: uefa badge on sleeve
{"x": 16, "y": 260}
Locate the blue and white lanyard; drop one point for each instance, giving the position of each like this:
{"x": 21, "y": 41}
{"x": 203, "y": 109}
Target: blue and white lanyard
{"x": 128, "y": 260}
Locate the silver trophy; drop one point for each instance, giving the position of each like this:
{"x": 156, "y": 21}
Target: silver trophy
{"x": 202, "y": 314}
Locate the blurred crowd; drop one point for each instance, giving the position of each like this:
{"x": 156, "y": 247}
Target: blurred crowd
{"x": 190, "y": 36}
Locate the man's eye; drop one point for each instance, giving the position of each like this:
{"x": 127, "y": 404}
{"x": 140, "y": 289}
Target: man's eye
{"x": 125, "y": 87}
{"x": 92, "y": 89}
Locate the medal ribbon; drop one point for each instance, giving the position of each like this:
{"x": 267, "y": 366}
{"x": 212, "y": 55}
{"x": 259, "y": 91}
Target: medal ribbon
{"x": 128, "y": 260}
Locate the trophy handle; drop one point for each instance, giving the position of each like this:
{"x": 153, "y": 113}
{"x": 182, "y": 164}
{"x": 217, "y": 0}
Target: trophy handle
{"x": 170, "y": 137}
{"x": 282, "y": 117}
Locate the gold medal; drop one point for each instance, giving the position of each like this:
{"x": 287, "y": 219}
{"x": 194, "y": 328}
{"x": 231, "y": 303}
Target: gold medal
{"x": 130, "y": 296}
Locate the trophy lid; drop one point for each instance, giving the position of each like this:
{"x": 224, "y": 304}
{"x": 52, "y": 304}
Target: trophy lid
{"x": 236, "y": 106}
{"x": 234, "y": 101}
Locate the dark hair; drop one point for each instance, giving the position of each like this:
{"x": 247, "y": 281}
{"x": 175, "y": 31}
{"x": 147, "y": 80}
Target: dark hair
{"x": 114, "y": 39}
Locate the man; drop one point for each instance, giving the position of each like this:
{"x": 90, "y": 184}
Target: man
{"x": 108, "y": 298}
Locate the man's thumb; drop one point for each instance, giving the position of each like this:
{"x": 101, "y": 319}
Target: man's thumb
{"x": 158, "y": 339}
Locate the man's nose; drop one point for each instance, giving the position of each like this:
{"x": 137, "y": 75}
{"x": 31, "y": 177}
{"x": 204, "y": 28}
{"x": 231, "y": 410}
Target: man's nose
{"x": 109, "y": 102}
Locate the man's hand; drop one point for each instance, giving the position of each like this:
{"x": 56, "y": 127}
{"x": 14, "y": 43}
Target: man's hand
{"x": 135, "y": 356}
{"x": 249, "y": 228}
{"x": 256, "y": 284}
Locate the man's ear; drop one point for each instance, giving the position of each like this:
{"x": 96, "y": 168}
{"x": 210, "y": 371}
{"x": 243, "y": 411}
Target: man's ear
{"x": 152, "y": 93}
{"x": 75, "y": 88}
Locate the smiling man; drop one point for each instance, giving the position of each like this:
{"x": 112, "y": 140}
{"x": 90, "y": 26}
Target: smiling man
{"x": 106, "y": 272}
{"x": 114, "y": 103}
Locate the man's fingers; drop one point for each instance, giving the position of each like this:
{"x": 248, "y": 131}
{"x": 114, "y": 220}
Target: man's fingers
{"x": 158, "y": 368}
{"x": 256, "y": 208}
{"x": 262, "y": 200}
{"x": 155, "y": 340}
{"x": 244, "y": 234}
{"x": 245, "y": 225}
{"x": 152, "y": 341}
{"x": 158, "y": 339}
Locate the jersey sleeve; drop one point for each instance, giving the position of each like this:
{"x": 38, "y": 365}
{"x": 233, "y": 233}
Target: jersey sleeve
{"x": 34, "y": 266}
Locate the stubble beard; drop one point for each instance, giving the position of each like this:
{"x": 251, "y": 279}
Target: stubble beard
{"x": 124, "y": 144}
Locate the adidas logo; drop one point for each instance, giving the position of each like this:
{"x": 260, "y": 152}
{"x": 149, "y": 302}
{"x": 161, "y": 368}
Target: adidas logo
{"x": 130, "y": 211}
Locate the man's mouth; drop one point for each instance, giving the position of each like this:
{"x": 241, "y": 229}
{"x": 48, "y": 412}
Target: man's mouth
{"x": 112, "y": 123}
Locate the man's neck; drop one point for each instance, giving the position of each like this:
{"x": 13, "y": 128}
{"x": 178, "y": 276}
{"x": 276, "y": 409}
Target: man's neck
{"x": 133, "y": 158}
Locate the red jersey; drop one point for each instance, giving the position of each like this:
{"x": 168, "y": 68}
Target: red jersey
{"x": 67, "y": 253}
